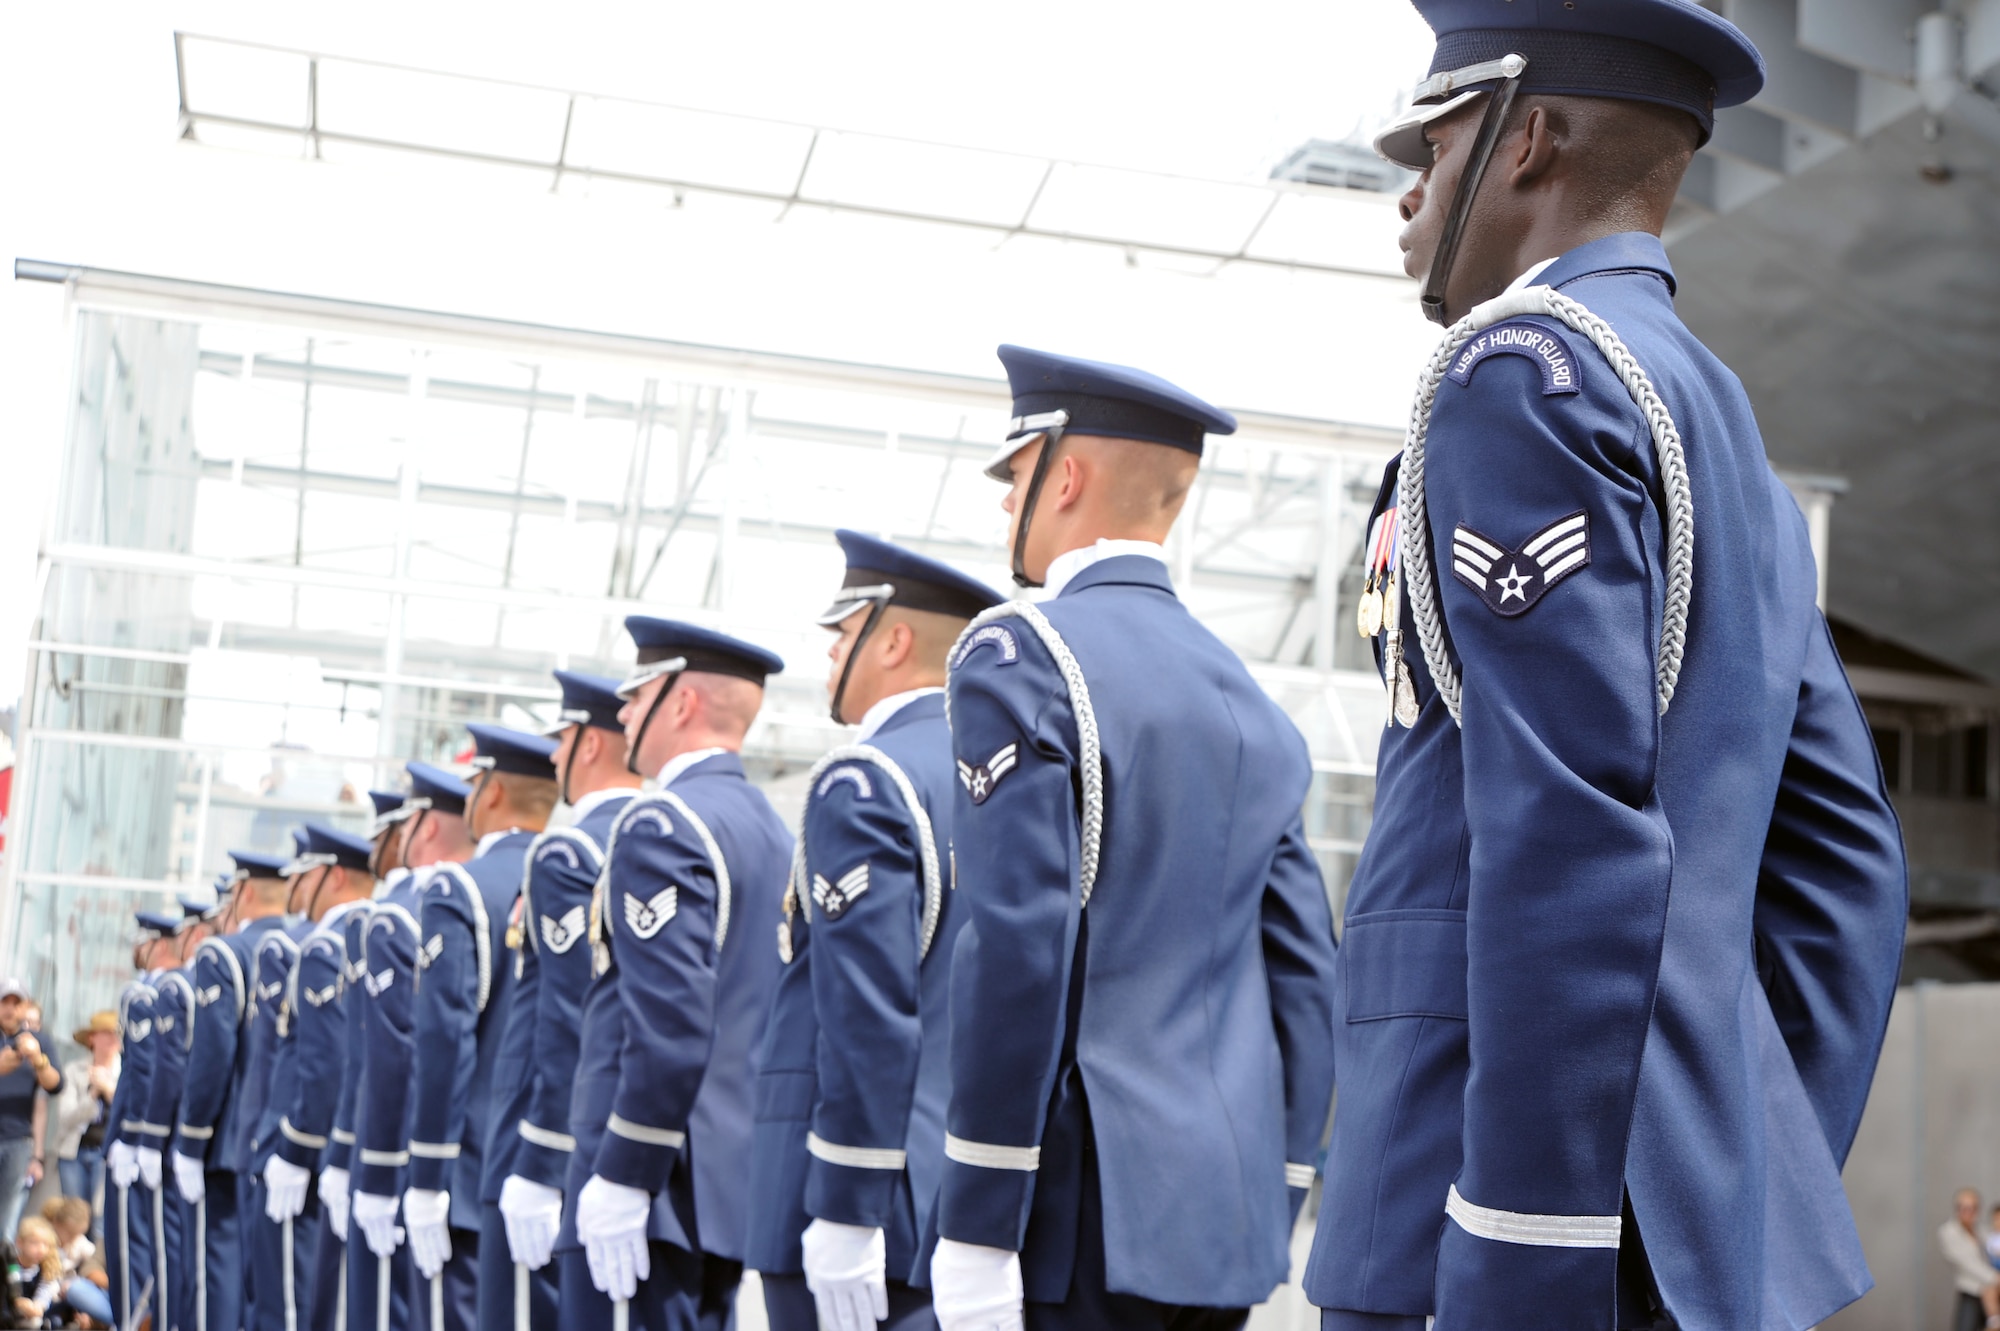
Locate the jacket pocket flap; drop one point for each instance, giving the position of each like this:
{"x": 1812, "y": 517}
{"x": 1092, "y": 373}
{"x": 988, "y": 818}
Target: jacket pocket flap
{"x": 1405, "y": 963}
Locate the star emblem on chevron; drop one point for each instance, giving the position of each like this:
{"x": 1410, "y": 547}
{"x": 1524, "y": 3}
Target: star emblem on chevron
{"x": 833, "y": 898}
{"x": 648, "y": 917}
{"x": 979, "y": 779}
{"x": 1512, "y": 581}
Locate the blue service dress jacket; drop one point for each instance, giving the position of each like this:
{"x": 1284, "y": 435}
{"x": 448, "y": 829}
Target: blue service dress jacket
{"x": 682, "y": 934}
{"x": 465, "y": 983}
{"x": 215, "y": 1118}
{"x": 129, "y": 1123}
{"x": 280, "y": 1012}
{"x": 273, "y": 954}
{"x": 854, "y": 1072}
{"x": 1148, "y": 960}
{"x": 341, "y": 1139}
{"x": 1613, "y": 982}
{"x": 531, "y": 1128}
{"x": 389, "y": 944}
{"x": 306, "y": 1104}
{"x": 174, "y": 1007}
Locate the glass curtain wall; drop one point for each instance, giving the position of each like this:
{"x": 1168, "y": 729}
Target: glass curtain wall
{"x": 289, "y": 555}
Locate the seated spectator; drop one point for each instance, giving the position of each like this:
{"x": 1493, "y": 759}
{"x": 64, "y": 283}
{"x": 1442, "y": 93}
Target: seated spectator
{"x": 70, "y": 1218}
{"x": 38, "y": 1284}
{"x": 1971, "y": 1271}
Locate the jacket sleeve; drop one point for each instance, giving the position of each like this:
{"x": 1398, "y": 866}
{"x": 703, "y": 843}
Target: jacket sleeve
{"x": 1019, "y": 856}
{"x": 382, "y": 1148}
{"x": 1832, "y": 898}
{"x": 866, "y": 885}
{"x": 319, "y": 1024}
{"x": 220, "y": 993}
{"x": 1571, "y": 855}
{"x": 562, "y": 873}
{"x": 354, "y": 1016}
{"x": 1298, "y": 960}
{"x": 134, "y": 1076}
{"x": 446, "y": 1028}
{"x": 174, "y": 1026}
{"x": 660, "y": 914}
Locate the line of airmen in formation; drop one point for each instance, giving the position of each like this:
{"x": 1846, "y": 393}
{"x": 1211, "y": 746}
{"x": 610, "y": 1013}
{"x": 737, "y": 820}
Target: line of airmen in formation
{"x": 499, "y": 1066}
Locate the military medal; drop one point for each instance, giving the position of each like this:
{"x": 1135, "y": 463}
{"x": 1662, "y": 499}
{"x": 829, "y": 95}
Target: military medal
{"x": 1368, "y": 615}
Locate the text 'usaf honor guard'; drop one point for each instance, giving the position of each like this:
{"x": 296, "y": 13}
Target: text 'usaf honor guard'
{"x": 854, "y": 1072}
{"x": 1140, "y": 1053}
{"x": 681, "y": 929}
{"x": 1621, "y": 948}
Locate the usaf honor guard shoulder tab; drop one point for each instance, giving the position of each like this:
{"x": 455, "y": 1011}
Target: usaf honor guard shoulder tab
{"x": 1509, "y": 581}
{"x": 1548, "y": 349}
{"x": 848, "y": 774}
{"x": 1006, "y": 648}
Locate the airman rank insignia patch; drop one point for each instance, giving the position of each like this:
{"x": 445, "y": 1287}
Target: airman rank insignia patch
{"x": 1548, "y": 349}
{"x": 321, "y": 997}
{"x": 835, "y": 898}
{"x": 1512, "y": 581}
{"x": 1001, "y": 638}
{"x": 559, "y": 935}
{"x": 646, "y": 918}
{"x": 432, "y": 949}
{"x": 140, "y": 1030}
{"x": 267, "y": 992}
{"x": 980, "y": 780}
{"x": 849, "y": 773}
{"x": 203, "y": 997}
{"x": 378, "y": 983}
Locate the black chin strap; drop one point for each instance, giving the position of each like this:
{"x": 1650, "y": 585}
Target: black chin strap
{"x": 1050, "y": 441}
{"x": 874, "y": 615}
{"x": 639, "y": 740}
{"x": 326, "y": 871}
{"x": 562, "y": 782}
{"x": 1497, "y": 106}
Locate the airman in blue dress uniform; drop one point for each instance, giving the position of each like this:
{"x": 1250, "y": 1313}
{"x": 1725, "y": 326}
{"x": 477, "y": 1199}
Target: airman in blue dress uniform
{"x": 381, "y": 1281}
{"x": 176, "y": 1240}
{"x": 1141, "y": 1052}
{"x": 132, "y": 1227}
{"x": 594, "y": 784}
{"x": 464, "y": 993}
{"x": 226, "y": 1069}
{"x": 681, "y": 932}
{"x": 385, "y": 863}
{"x": 853, "y": 1074}
{"x": 1621, "y": 947}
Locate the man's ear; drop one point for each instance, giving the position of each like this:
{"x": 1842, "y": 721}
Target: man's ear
{"x": 897, "y": 644}
{"x": 1534, "y": 149}
{"x": 1071, "y": 473}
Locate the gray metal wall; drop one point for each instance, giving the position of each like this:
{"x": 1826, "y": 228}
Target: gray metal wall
{"x": 1932, "y": 1127}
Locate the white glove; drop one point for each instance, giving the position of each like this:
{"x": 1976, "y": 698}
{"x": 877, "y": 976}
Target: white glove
{"x": 123, "y": 1162}
{"x": 533, "y": 1212}
{"x": 426, "y": 1213}
{"x": 846, "y": 1270}
{"x": 611, "y": 1222}
{"x": 285, "y": 1189}
{"x": 150, "y": 1166}
{"x": 375, "y": 1217}
{"x": 190, "y": 1176}
{"x": 974, "y": 1288}
{"x": 333, "y": 1196}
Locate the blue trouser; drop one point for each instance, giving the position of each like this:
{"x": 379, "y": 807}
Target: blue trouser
{"x": 328, "y": 1309}
{"x": 84, "y": 1177}
{"x": 88, "y": 1299}
{"x": 15, "y": 1153}
{"x": 286, "y": 1296}
{"x": 170, "y": 1302}
{"x": 788, "y": 1306}
{"x": 685, "y": 1291}
{"x": 370, "y": 1280}
{"x": 128, "y": 1248}
{"x": 499, "y": 1284}
{"x": 207, "y": 1280}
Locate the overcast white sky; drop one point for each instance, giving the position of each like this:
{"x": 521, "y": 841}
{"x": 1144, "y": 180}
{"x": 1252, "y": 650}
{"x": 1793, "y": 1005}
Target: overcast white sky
{"x": 94, "y": 175}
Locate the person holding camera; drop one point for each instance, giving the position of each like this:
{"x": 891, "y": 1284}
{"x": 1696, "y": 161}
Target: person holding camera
{"x": 24, "y": 1069}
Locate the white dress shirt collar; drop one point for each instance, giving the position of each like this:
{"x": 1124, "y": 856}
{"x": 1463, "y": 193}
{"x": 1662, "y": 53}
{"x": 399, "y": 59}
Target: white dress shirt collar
{"x": 878, "y": 716}
{"x": 681, "y": 762}
{"x": 1068, "y": 564}
{"x": 1527, "y": 279}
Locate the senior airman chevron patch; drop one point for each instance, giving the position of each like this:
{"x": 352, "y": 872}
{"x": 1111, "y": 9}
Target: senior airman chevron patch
{"x": 1512, "y": 581}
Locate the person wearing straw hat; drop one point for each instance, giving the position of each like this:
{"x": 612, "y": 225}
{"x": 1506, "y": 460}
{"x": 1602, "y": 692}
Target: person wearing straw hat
{"x": 1621, "y": 947}
{"x": 83, "y": 1114}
